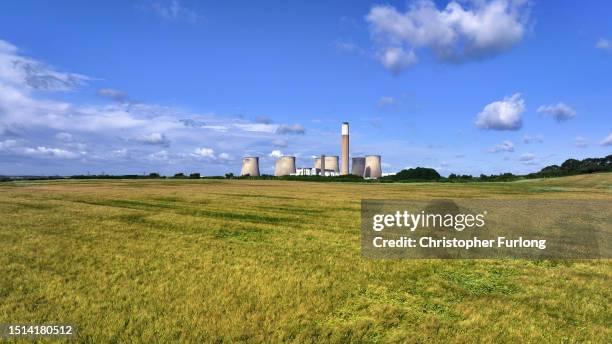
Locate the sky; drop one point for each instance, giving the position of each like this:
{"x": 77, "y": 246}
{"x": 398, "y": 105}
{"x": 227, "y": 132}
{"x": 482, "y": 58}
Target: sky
{"x": 466, "y": 87}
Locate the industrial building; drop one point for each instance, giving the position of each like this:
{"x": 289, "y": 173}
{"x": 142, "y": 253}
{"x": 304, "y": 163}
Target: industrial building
{"x": 325, "y": 165}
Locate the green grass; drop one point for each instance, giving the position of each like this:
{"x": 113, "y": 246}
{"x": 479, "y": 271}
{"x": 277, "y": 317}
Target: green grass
{"x": 277, "y": 261}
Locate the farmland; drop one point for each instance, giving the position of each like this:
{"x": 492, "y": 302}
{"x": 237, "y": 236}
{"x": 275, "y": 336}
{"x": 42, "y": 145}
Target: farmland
{"x": 269, "y": 261}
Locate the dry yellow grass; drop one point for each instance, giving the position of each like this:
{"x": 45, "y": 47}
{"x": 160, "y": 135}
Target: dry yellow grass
{"x": 272, "y": 261}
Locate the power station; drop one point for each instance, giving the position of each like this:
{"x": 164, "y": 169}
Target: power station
{"x": 325, "y": 165}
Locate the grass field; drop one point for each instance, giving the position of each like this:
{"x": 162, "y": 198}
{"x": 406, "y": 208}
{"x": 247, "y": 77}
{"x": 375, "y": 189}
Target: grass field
{"x": 270, "y": 261}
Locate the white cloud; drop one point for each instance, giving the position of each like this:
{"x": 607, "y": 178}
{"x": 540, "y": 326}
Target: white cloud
{"x": 560, "y": 111}
{"x": 98, "y": 134}
{"x": 396, "y": 59}
{"x": 455, "y": 33}
{"x": 43, "y": 151}
{"x": 604, "y": 44}
{"x": 503, "y": 114}
{"x": 205, "y": 153}
{"x": 276, "y": 153}
{"x": 257, "y": 127}
{"x": 29, "y": 74}
{"x": 581, "y": 142}
{"x": 154, "y": 139}
{"x": 16, "y": 148}
{"x": 527, "y": 157}
{"x": 7, "y": 144}
{"x": 607, "y": 141}
{"x": 505, "y": 146}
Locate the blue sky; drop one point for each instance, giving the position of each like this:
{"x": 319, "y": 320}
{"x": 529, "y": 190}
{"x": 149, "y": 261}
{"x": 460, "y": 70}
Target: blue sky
{"x": 185, "y": 86}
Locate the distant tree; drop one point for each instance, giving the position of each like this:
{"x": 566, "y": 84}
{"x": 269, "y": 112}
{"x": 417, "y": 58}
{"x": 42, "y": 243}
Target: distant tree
{"x": 455, "y": 177}
{"x": 195, "y": 175}
{"x": 571, "y": 165}
{"x": 154, "y": 175}
{"x": 229, "y": 175}
{"x": 179, "y": 175}
{"x": 416, "y": 174}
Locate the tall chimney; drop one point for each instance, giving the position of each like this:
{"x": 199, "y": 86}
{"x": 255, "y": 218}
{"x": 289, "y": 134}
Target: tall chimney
{"x": 345, "y": 149}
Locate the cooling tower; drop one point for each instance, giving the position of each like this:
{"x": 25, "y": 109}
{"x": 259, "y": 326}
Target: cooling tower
{"x": 358, "y": 166}
{"x": 285, "y": 165}
{"x": 372, "y": 167}
{"x": 345, "y": 149}
{"x": 250, "y": 166}
{"x": 331, "y": 163}
{"x": 322, "y": 161}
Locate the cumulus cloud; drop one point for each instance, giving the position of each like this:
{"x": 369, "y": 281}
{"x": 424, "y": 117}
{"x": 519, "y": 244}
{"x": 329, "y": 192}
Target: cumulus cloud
{"x": 294, "y": 129}
{"x": 560, "y": 111}
{"x": 607, "y": 141}
{"x": 532, "y": 139}
{"x": 50, "y": 152}
{"x": 503, "y": 114}
{"x": 95, "y": 135}
{"x": 505, "y": 146}
{"x": 154, "y": 139}
{"x": 7, "y": 144}
{"x": 396, "y": 59}
{"x": 459, "y": 32}
{"x": 204, "y": 152}
{"x": 604, "y": 44}
{"x": 16, "y": 148}
{"x": 581, "y": 142}
{"x": 276, "y": 154}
